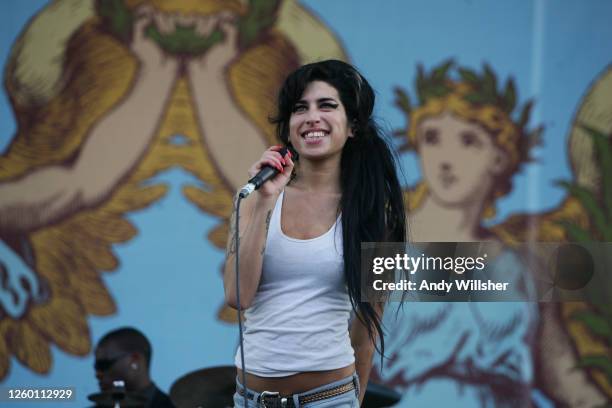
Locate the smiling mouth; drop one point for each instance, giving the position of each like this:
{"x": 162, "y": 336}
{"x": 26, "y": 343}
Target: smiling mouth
{"x": 314, "y": 134}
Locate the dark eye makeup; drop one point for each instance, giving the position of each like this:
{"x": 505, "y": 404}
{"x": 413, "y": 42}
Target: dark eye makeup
{"x": 329, "y": 105}
{"x": 323, "y": 103}
{"x": 299, "y": 107}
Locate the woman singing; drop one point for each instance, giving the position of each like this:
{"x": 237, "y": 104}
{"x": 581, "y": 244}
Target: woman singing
{"x": 300, "y": 237}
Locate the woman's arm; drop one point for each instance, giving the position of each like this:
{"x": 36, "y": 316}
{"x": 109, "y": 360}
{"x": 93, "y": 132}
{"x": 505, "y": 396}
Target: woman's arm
{"x": 364, "y": 347}
{"x": 254, "y": 223}
{"x": 255, "y": 215}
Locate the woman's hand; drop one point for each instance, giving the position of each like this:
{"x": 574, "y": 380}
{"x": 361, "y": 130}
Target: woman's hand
{"x": 273, "y": 158}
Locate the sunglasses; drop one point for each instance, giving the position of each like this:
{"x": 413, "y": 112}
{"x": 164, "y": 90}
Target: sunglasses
{"x": 104, "y": 364}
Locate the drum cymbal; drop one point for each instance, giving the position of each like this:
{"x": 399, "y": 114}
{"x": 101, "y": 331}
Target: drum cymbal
{"x": 126, "y": 400}
{"x": 378, "y": 395}
{"x": 209, "y": 387}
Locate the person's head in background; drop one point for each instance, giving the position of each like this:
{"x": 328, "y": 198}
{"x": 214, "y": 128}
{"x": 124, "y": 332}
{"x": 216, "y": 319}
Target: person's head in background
{"x": 123, "y": 354}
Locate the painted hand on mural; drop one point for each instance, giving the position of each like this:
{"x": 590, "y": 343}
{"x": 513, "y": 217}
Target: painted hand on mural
{"x": 223, "y": 125}
{"x": 148, "y": 52}
{"x": 219, "y": 57}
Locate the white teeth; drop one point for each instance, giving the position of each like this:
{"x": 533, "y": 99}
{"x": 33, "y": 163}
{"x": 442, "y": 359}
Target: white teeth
{"x": 314, "y": 135}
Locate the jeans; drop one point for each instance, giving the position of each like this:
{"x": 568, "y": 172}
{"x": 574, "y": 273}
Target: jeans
{"x": 347, "y": 400}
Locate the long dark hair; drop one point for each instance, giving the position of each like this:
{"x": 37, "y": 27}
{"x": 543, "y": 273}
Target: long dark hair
{"x": 372, "y": 203}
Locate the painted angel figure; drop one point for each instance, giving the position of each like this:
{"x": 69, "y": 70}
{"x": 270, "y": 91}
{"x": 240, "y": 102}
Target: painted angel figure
{"x": 474, "y": 354}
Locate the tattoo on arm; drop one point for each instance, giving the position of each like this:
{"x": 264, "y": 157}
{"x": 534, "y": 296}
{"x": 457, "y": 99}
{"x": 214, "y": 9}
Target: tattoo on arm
{"x": 231, "y": 244}
{"x": 268, "y": 218}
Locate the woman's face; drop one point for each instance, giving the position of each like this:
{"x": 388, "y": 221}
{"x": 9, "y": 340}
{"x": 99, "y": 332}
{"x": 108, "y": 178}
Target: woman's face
{"x": 318, "y": 127}
{"x": 458, "y": 158}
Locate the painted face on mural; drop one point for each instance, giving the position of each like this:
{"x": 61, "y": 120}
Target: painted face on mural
{"x": 459, "y": 159}
{"x": 113, "y": 364}
{"x": 318, "y": 126}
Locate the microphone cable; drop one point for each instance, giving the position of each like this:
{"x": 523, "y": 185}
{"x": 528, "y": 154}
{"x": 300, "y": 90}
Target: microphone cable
{"x": 239, "y": 308}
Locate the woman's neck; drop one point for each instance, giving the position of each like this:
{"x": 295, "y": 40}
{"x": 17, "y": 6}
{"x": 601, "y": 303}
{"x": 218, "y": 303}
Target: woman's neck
{"x": 319, "y": 176}
{"x": 434, "y": 221}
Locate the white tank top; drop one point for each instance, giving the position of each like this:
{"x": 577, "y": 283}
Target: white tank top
{"x": 299, "y": 318}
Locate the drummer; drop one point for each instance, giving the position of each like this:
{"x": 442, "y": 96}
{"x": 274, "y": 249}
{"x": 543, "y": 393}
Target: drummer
{"x": 125, "y": 354}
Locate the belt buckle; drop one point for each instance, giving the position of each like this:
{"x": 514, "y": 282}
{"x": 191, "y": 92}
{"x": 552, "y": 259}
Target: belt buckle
{"x": 264, "y": 394}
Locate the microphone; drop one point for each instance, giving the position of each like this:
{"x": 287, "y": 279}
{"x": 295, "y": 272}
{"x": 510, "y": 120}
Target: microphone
{"x": 265, "y": 174}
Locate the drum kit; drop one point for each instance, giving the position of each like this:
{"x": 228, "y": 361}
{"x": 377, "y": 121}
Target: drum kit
{"x": 214, "y": 388}
{"x": 209, "y": 387}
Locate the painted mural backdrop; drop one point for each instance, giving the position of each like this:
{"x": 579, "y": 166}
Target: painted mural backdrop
{"x": 126, "y": 125}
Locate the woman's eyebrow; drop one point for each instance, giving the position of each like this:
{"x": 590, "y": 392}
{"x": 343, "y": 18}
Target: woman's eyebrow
{"x": 326, "y": 99}
{"x": 320, "y": 100}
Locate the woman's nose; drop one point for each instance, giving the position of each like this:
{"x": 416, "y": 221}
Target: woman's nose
{"x": 312, "y": 117}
